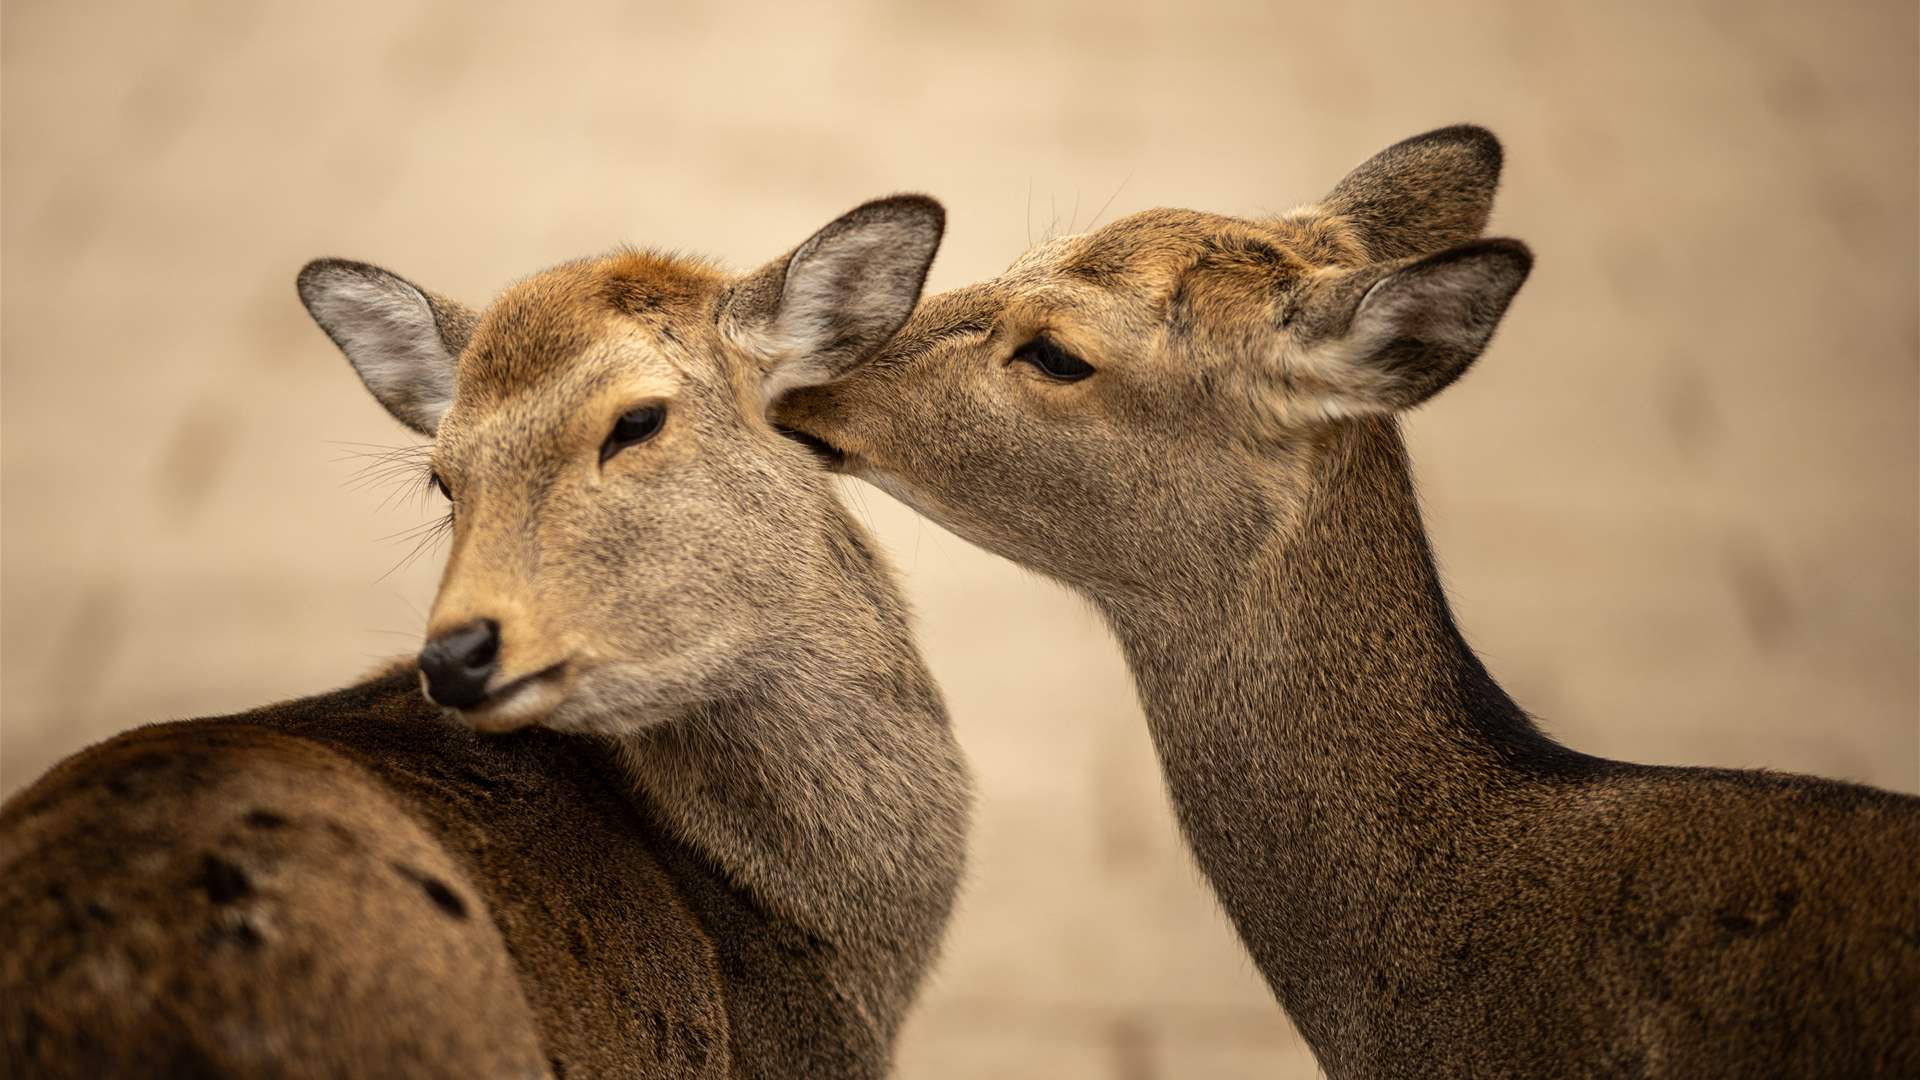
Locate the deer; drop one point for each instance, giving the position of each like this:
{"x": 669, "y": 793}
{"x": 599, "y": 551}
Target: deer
{"x": 667, "y": 792}
{"x": 1191, "y": 419}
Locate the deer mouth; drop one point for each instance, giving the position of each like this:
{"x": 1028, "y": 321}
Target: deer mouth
{"x": 523, "y": 702}
{"x": 830, "y": 456}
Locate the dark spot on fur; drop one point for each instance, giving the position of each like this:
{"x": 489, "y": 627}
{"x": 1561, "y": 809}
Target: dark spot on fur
{"x": 121, "y": 784}
{"x": 699, "y": 1044}
{"x": 99, "y": 913}
{"x": 184, "y": 1059}
{"x": 235, "y": 933}
{"x": 437, "y": 891}
{"x": 223, "y": 882}
{"x": 45, "y": 802}
{"x": 341, "y": 833}
{"x": 480, "y": 780}
{"x": 797, "y": 944}
{"x": 1740, "y": 924}
{"x": 35, "y": 1032}
{"x": 558, "y": 1068}
{"x": 301, "y": 964}
{"x": 657, "y": 1026}
{"x": 265, "y": 819}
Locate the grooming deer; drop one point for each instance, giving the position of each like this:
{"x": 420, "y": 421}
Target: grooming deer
{"x": 679, "y": 799}
{"x": 1191, "y": 418}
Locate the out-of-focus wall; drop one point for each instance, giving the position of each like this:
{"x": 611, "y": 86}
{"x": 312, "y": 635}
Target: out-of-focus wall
{"x": 1676, "y": 501}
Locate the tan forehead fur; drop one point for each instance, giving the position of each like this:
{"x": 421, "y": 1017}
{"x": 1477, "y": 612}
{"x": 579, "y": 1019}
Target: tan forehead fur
{"x": 1137, "y": 263}
{"x": 1155, "y": 244}
{"x": 543, "y": 325}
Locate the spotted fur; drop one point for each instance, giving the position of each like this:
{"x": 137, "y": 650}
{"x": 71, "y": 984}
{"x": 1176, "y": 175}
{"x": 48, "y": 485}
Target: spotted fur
{"x": 719, "y": 834}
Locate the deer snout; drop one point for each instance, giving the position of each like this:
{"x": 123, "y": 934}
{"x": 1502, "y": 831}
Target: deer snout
{"x": 457, "y": 663}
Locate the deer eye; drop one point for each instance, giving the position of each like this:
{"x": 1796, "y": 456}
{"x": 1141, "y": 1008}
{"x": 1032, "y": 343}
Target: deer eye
{"x": 440, "y": 485}
{"x": 635, "y": 426}
{"x": 1053, "y": 361}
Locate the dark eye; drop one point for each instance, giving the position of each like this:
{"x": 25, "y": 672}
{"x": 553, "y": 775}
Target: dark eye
{"x": 441, "y": 486}
{"x": 634, "y": 426}
{"x": 1053, "y": 361}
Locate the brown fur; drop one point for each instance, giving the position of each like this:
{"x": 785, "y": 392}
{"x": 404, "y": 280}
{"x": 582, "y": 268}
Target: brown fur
{"x": 725, "y": 831}
{"x": 1429, "y": 884}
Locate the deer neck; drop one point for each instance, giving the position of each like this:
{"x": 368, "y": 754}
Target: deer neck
{"x": 832, "y": 794}
{"x": 1330, "y": 743}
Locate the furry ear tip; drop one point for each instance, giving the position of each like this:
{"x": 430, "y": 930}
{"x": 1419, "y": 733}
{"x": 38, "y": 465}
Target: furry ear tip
{"x": 1514, "y": 251}
{"x": 1516, "y": 256}
{"x": 1472, "y": 139}
{"x": 319, "y": 273}
{"x": 1479, "y": 139}
{"x": 910, "y": 208}
{"x": 313, "y": 274}
{"x": 1502, "y": 246}
{"x": 329, "y": 266}
{"x": 914, "y": 202}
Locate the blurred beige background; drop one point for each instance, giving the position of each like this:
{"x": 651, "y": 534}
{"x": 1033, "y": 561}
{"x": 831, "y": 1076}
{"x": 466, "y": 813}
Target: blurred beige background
{"x": 1677, "y": 501}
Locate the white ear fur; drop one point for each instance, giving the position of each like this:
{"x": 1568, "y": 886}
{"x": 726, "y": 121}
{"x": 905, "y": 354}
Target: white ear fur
{"x": 840, "y": 296}
{"x": 793, "y": 375}
{"x": 390, "y": 332}
{"x": 1412, "y": 332}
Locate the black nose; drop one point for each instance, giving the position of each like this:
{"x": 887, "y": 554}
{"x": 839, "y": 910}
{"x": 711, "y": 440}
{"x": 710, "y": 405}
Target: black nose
{"x": 458, "y": 664}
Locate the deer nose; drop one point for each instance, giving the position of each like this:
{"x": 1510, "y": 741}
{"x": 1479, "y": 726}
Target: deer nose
{"x": 459, "y": 662}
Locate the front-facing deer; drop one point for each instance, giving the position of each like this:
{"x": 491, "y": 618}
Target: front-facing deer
{"x": 727, "y": 832}
{"x": 1190, "y": 418}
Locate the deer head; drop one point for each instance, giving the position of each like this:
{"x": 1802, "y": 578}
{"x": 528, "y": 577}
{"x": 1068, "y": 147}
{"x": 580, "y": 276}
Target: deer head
{"x": 1124, "y": 405}
{"x": 629, "y": 535}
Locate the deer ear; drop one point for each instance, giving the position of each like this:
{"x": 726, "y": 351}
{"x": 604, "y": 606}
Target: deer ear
{"x": 837, "y": 298}
{"x": 1421, "y": 195}
{"x": 1387, "y": 337}
{"x": 401, "y": 339}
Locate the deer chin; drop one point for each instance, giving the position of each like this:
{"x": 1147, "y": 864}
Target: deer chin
{"x": 523, "y": 702}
